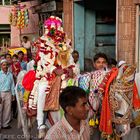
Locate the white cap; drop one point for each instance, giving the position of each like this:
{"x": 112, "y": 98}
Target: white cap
{"x": 3, "y": 60}
{"x": 121, "y": 63}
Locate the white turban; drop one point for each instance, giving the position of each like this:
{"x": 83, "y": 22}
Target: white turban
{"x": 121, "y": 63}
{"x": 3, "y": 60}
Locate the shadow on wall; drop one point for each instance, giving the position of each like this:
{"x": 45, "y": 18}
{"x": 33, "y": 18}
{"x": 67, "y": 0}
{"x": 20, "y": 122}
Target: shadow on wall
{"x": 88, "y": 65}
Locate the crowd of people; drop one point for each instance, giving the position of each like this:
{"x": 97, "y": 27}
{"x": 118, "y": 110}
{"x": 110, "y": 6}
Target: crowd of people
{"x": 75, "y": 106}
{"x": 10, "y": 66}
{"x": 51, "y": 93}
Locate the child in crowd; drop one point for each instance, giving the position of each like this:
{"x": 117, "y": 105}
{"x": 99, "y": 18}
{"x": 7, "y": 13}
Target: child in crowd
{"x": 100, "y": 61}
{"x": 75, "y": 55}
{"x": 8, "y": 58}
{"x": 15, "y": 66}
{"x": 23, "y": 64}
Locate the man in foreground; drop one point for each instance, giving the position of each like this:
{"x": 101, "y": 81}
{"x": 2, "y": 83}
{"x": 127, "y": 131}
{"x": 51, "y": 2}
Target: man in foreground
{"x": 74, "y": 101}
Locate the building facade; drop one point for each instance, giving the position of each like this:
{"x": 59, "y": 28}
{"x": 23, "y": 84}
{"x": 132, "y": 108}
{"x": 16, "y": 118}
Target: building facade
{"x": 93, "y": 27}
{"x": 10, "y": 35}
{"x": 47, "y": 8}
{"x": 119, "y": 40}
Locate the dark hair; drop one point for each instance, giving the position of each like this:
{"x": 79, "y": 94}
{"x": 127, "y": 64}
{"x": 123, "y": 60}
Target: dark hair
{"x": 7, "y": 54}
{"x": 20, "y": 52}
{"x": 88, "y": 65}
{"x": 100, "y": 55}
{"x": 2, "y": 55}
{"x": 112, "y": 61}
{"x": 75, "y": 51}
{"x": 25, "y": 37}
{"x": 16, "y": 56}
{"x": 70, "y": 96}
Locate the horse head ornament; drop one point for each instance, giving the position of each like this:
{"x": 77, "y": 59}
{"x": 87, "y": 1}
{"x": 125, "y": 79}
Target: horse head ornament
{"x": 121, "y": 99}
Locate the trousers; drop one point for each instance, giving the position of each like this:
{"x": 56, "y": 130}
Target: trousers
{"x": 5, "y": 109}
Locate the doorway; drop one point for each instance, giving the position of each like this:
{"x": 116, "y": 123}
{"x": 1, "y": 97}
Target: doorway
{"x": 95, "y": 31}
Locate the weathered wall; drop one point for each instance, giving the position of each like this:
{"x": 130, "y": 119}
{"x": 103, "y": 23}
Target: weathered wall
{"x": 126, "y": 30}
{"x": 68, "y": 17}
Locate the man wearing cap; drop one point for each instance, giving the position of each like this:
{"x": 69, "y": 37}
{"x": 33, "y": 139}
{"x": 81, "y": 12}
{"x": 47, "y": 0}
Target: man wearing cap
{"x": 6, "y": 94}
{"x": 121, "y": 63}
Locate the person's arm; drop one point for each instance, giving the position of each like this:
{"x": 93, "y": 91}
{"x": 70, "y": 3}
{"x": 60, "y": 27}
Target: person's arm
{"x": 58, "y": 71}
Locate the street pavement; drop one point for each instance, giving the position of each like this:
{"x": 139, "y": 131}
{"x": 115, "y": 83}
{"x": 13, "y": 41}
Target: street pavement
{"x": 16, "y": 133}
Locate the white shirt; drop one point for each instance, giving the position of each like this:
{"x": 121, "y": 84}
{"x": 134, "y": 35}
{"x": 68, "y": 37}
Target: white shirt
{"x": 62, "y": 130}
{"x": 77, "y": 68}
{"x": 30, "y": 65}
{"x": 26, "y": 45}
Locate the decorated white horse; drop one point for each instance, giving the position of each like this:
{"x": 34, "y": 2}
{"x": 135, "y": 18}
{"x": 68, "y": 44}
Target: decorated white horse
{"x": 120, "y": 96}
{"x": 113, "y": 94}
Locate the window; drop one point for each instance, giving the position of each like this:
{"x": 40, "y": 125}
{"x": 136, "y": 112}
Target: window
{"x": 105, "y": 28}
{"x": 5, "y": 2}
{"x": 5, "y": 42}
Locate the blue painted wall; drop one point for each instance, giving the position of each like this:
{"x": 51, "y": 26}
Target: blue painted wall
{"x": 85, "y": 28}
{"x": 89, "y": 33}
{"x": 79, "y": 33}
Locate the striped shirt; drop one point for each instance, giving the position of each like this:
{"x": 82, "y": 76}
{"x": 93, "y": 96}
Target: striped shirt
{"x": 62, "y": 130}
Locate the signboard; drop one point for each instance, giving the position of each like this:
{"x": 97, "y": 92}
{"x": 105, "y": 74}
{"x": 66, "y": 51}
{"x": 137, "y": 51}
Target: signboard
{"x": 48, "y": 6}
